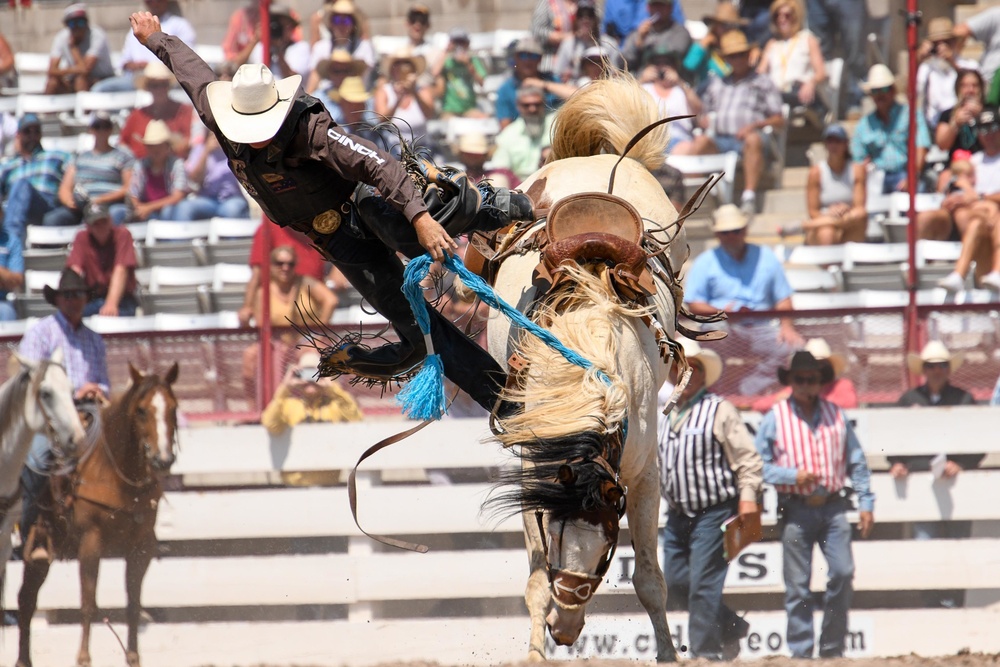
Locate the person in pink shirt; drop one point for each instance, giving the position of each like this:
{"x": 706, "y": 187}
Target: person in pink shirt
{"x": 840, "y": 391}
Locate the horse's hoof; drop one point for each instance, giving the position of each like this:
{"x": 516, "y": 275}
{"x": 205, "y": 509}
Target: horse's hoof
{"x": 133, "y": 659}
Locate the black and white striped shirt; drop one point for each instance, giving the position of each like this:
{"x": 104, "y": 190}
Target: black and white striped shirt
{"x": 694, "y": 471}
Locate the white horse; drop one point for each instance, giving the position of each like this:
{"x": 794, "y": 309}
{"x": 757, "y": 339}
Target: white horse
{"x": 578, "y": 461}
{"x": 38, "y": 398}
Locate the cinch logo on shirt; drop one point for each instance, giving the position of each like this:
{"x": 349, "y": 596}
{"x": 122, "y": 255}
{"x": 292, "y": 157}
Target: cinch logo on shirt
{"x": 344, "y": 140}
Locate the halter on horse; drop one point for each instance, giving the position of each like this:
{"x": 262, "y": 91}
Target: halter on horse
{"x": 112, "y": 505}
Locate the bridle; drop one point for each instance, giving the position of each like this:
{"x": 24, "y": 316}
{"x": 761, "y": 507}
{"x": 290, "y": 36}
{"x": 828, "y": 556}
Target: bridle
{"x": 36, "y": 390}
{"x": 150, "y": 466}
{"x": 571, "y": 590}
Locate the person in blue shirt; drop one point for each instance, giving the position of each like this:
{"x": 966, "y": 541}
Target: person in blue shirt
{"x": 622, "y": 17}
{"x": 737, "y": 277}
{"x": 11, "y": 272}
{"x": 526, "y": 66}
{"x": 809, "y": 450}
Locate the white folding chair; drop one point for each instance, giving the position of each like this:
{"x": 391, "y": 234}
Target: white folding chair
{"x": 37, "y": 236}
{"x": 26, "y": 61}
{"x": 875, "y": 266}
{"x": 34, "y": 281}
{"x": 190, "y": 322}
{"x": 170, "y": 243}
{"x": 899, "y": 203}
{"x": 117, "y": 103}
{"x": 67, "y": 144}
{"x": 811, "y": 280}
{"x": 696, "y": 168}
{"x": 816, "y": 255}
{"x": 166, "y": 279}
{"x": 229, "y": 240}
{"x": 46, "y": 104}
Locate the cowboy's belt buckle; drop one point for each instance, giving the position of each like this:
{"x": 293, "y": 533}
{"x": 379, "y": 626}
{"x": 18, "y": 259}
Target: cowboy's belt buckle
{"x": 326, "y": 222}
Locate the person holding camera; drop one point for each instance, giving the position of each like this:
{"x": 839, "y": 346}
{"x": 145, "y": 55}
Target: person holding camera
{"x": 674, "y": 97}
{"x": 456, "y": 76}
{"x": 940, "y": 64}
{"x": 288, "y": 55}
{"x": 302, "y": 396}
{"x": 954, "y": 130}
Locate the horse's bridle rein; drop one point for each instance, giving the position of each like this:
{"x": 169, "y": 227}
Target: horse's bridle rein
{"x": 571, "y": 590}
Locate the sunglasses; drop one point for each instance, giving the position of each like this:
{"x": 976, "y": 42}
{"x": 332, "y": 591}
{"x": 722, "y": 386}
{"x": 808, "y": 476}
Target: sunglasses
{"x": 528, "y": 56}
{"x": 805, "y": 379}
{"x": 418, "y": 19}
{"x": 76, "y": 23}
{"x": 342, "y": 20}
{"x": 530, "y": 105}
{"x": 73, "y": 294}
{"x": 881, "y": 91}
{"x": 283, "y": 265}
{"x": 784, "y": 15}
{"x": 940, "y": 365}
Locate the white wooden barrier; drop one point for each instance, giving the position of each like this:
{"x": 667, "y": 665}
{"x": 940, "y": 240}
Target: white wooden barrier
{"x": 361, "y": 576}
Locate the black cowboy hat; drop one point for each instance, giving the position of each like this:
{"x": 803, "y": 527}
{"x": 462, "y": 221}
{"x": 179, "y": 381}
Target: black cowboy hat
{"x": 805, "y": 361}
{"x": 69, "y": 281}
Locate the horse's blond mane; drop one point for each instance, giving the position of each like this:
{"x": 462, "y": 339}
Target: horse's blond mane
{"x": 587, "y": 317}
{"x": 603, "y": 116}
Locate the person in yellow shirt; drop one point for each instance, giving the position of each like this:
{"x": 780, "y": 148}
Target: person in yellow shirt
{"x": 303, "y": 397}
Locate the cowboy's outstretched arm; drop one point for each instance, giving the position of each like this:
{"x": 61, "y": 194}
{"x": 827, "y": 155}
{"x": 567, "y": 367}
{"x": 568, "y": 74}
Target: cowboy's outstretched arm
{"x": 191, "y": 71}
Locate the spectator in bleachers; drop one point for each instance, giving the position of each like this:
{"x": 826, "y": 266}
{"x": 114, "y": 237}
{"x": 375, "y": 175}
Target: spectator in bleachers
{"x": 11, "y": 272}
{"x": 586, "y": 34}
{"x": 294, "y": 299}
{"x": 288, "y": 55}
{"x": 703, "y": 58}
{"x": 329, "y": 75}
{"x": 955, "y": 129}
{"x": 8, "y": 71}
{"x": 835, "y": 194}
{"x": 596, "y": 63}
{"x": 346, "y": 32}
{"x": 526, "y": 65}
{"x": 840, "y": 390}
{"x": 29, "y": 181}
{"x": 741, "y": 105}
{"x": 403, "y": 100}
{"x": 473, "y": 151}
{"x": 880, "y": 139}
{"x": 551, "y": 24}
{"x": 418, "y": 23}
{"x": 757, "y": 14}
{"x": 660, "y": 29}
{"x": 622, "y": 17}
{"x": 241, "y": 31}
{"x": 843, "y": 22}
{"x": 456, "y": 74}
{"x": 741, "y": 276}
{"x": 218, "y": 192}
{"x": 79, "y": 55}
{"x": 940, "y": 64}
{"x": 302, "y": 396}
{"x": 985, "y": 28}
{"x": 661, "y": 78}
{"x": 98, "y": 176}
{"x": 309, "y": 262}
{"x": 974, "y": 206}
{"x": 179, "y": 117}
{"x": 135, "y": 56}
{"x": 158, "y": 182}
{"x": 104, "y": 254}
{"x": 519, "y": 146}
{"x": 793, "y": 60}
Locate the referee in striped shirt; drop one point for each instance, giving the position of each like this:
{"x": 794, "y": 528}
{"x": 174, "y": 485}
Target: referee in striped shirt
{"x": 710, "y": 470}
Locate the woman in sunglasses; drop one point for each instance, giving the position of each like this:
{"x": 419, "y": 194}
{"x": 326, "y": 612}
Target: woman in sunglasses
{"x": 341, "y": 26}
{"x": 80, "y": 54}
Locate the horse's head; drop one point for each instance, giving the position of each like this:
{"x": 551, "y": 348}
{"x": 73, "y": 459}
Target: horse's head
{"x": 49, "y": 404}
{"x": 153, "y": 410}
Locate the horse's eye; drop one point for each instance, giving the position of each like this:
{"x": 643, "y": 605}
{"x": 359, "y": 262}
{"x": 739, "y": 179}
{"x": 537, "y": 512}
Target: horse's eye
{"x": 141, "y": 412}
{"x": 46, "y": 394}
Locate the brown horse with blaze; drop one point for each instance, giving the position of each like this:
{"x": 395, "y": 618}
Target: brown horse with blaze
{"x": 109, "y": 505}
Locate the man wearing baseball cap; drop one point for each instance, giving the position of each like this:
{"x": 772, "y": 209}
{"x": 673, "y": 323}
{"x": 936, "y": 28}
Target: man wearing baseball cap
{"x": 738, "y": 276}
{"x": 527, "y": 71}
{"x": 79, "y": 54}
{"x": 104, "y": 254}
{"x": 308, "y": 174}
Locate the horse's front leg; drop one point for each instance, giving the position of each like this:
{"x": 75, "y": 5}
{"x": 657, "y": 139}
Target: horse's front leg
{"x": 643, "y": 511}
{"x": 27, "y": 601}
{"x": 136, "y": 565}
{"x": 90, "y": 563}
{"x": 536, "y": 594}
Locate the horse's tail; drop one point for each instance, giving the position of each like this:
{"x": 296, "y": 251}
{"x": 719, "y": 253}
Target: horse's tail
{"x": 603, "y": 116}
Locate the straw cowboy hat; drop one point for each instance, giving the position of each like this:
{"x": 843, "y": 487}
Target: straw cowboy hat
{"x": 156, "y": 71}
{"x": 157, "y": 132}
{"x": 734, "y": 42}
{"x": 353, "y": 90}
{"x": 879, "y": 76}
{"x": 940, "y": 29}
{"x": 252, "y": 107}
{"x": 820, "y": 349}
{"x": 345, "y": 7}
{"x": 404, "y": 55}
{"x": 474, "y": 143}
{"x": 933, "y": 353}
{"x": 804, "y": 361}
{"x": 725, "y": 13}
{"x": 340, "y": 57}
{"x": 709, "y": 360}
{"x": 69, "y": 281}
{"x": 729, "y": 218}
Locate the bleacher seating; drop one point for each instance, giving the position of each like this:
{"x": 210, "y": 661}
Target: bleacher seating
{"x": 874, "y": 266}
{"x": 696, "y": 168}
{"x": 170, "y": 243}
{"x": 176, "y": 289}
{"x": 229, "y": 240}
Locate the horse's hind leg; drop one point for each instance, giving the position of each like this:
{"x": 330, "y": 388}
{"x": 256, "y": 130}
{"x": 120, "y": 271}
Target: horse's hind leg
{"x": 27, "y": 602}
{"x": 136, "y": 565}
{"x": 643, "y": 509}
{"x": 90, "y": 563}
{"x": 536, "y": 594}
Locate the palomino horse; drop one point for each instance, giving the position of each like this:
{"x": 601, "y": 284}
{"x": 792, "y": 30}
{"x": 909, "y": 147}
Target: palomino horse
{"x": 39, "y": 398}
{"x": 586, "y": 437}
{"x": 111, "y": 505}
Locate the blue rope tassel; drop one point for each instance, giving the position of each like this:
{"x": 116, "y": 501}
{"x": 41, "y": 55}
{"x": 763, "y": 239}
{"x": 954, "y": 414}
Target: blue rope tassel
{"x": 423, "y": 397}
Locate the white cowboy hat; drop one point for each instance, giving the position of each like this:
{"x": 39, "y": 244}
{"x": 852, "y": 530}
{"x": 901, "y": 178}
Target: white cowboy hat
{"x": 475, "y": 143}
{"x": 157, "y": 132}
{"x": 820, "y": 349}
{"x": 729, "y": 218}
{"x": 252, "y": 106}
{"x": 709, "y": 360}
{"x": 933, "y": 353}
{"x": 879, "y": 76}
{"x": 155, "y": 71}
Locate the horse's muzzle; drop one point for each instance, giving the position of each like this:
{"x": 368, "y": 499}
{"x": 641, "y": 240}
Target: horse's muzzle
{"x": 565, "y": 625}
{"x": 162, "y": 465}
